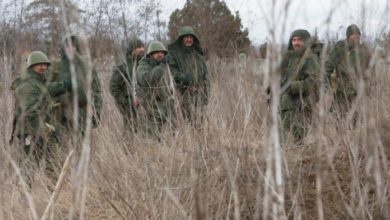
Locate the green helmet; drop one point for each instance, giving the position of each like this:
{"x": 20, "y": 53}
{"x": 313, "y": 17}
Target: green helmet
{"x": 156, "y": 46}
{"x": 37, "y": 57}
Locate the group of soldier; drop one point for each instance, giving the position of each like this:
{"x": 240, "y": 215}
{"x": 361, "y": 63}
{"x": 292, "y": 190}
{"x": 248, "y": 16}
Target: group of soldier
{"x": 301, "y": 80}
{"x": 53, "y": 98}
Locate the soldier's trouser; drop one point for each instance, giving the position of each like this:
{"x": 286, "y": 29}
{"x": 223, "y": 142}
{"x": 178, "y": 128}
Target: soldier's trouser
{"x": 38, "y": 152}
{"x": 159, "y": 114}
{"x": 343, "y": 102}
{"x": 295, "y": 124}
{"x": 193, "y": 108}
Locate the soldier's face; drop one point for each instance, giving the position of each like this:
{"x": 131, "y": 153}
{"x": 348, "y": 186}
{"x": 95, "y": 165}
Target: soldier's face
{"x": 354, "y": 38}
{"x": 40, "y": 68}
{"x": 139, "y": 52}
{"x": 158, "y": 55}
{"x": 188, "y": 40}
{"x": 297, "y": 43}
{"x": 70, "y": 51}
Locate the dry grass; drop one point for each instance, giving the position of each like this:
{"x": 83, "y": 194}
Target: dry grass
{"x": 225, "y": 170}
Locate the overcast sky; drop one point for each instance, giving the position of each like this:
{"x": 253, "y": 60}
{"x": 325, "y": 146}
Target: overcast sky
{"x": 257, "y": 16}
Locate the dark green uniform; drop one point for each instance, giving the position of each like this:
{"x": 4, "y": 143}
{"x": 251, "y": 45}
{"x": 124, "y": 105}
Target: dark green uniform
{"x": 65, "y": 100}
{"x": 122, "y": 85}
{"x": 32, "y": 113}
{"x": 300, "y": 82}
{"x": 155, "y": 92}
{"x": 189, "y": 70}
{"x": 346, "y": 64}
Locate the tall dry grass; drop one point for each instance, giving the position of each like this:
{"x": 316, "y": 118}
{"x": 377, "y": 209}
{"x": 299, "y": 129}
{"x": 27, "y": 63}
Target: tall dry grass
{"x": 224, "y": 170}
{"x": 237, "y": 165}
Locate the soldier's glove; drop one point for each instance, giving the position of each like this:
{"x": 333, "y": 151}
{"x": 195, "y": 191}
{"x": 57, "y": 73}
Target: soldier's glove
{"x": 187, "y": 79}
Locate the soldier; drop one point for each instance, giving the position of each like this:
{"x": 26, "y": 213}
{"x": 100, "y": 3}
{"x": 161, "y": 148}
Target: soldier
{"x": 300, "y": 84}
{"x": 347, "y": 62}
{"x": 154, "y": 85}
{"x": 71, "y": 56}
{"x": 188, "y": 66}
{"x": 123, "y": 83}
{"x": 32, "y": 121}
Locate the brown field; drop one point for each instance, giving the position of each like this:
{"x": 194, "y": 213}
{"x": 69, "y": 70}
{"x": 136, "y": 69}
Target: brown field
{"x": 230, "y": 168}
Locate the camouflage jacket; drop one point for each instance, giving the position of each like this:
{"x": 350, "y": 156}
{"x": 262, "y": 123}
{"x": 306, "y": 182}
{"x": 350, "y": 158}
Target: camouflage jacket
{"x": 65, "y": 99}
{"x": 33, "y": 105}
{"x": 188, "y": 67}
{"x": 345, "y": 64}
{"x": 121, "y": 86}
{"x": 153, "y": 81}
{"x": 300, "y": 80}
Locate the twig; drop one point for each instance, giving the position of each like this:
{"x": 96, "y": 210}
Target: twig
{"x": 58, "y": 187}
{"x": 24, "y": 186}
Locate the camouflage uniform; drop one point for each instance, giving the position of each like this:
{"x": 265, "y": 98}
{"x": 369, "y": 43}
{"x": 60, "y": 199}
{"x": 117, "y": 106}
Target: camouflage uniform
{"x": 154, "y": 89}
{"x": 32, "y": 119}
{"x": 347, "y": 63}
{"x": 64, "y": 101}
{"x": 300, "y": 79}
{"x": 123, "y": 87}
{"x": 189, "y": 70}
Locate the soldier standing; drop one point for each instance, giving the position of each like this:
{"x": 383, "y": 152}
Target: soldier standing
{"x": 73, "y": 60}
{"x": 300, "y": 84}
{"x": 32, "y": 121}
{"x": 347, "y": 62}
{"x": 123, "y": 83}
{"x": 188, "y": 66}
{"x": 154, "y": 86}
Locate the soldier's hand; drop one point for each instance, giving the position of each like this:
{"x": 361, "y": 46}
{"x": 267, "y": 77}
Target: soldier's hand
{"x": 48, "y": 130}
{"x": 186, "y": 79}
{"x": 193, "y": 89}
{"x": 136, "y": 102}
{"x": 141, "y": 110}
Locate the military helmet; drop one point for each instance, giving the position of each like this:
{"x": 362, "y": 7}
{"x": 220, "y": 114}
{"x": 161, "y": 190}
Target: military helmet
{"x": 156, "y": 46}
{"x": 37, "y": 57}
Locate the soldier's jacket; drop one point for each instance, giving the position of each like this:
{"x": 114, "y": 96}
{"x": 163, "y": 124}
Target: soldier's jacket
{"x": 154, "y": 88}
{"x": 300, "y": 78}
{"x": 121, "y": 86}
{"x": 188, "y": 67}
{"x": 65, "y": 100}
{"x": 345, "y": 64}
{"x": 33, "y": 105}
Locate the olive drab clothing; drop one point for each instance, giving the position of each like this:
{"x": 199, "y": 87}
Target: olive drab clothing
{"x": 155, "y": 93}
{"x": 123, "y": 85}
{"x": 189, "y": 70}
{"x": 64, "y": 101}
{"x": 300, "y": 82}
{"x": 32, "y": 119}
{"x": 346, "y": 64}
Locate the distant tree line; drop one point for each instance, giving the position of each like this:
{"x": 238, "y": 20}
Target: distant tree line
{"x": 108, "y": 24}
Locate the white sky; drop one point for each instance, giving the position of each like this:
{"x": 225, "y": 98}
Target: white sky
{"x": 257, "y": 16}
